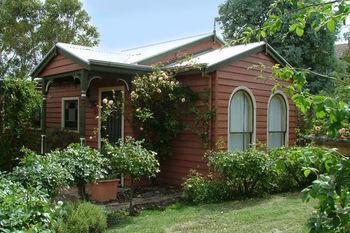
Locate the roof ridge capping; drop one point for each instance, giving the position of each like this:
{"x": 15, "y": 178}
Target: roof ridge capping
{"x": 83, "y": 47}
{"x": 168, "y": 41}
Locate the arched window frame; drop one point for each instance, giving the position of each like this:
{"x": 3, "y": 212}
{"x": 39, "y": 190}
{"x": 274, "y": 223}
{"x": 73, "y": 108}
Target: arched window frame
{"x": 285, "y": 98}
{"x": 252, "y": 98}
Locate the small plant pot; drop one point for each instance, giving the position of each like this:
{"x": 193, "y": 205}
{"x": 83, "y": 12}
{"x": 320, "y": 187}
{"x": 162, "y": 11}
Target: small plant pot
{"x": 103, "y": 190}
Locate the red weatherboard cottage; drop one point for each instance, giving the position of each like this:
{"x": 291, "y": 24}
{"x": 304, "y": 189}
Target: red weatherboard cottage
{"x": 76, "y": 79}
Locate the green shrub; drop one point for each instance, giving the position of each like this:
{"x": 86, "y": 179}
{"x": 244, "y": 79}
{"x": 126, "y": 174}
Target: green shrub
{"x": 249, "y": 172}
{"x": 200, "y": 189}
{"x": 332, "y": 190}
{"x": 23, "y": 209}
{"x": 82, "y": 218}
{"x": 116, "y": 216}
{"x": 291, "y": 162}
{"x": 133, "y": 160}
{"x": 84, "y": 163}
{"x": 42, "y": 171}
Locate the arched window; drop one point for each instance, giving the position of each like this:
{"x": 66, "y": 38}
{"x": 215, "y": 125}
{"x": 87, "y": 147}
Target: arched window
{"x": 277, "y": 121}
{"x": 241, "y": 121}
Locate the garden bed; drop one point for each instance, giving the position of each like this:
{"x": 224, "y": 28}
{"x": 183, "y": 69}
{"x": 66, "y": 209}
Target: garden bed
{"x": 148, "y": 198}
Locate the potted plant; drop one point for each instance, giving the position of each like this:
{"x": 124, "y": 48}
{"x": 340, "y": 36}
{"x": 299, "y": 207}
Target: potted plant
{"x": 85, "y": 164}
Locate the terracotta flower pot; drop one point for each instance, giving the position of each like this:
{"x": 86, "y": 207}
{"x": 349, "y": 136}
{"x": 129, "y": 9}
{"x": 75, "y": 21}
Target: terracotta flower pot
{"x": 103, "y": 190}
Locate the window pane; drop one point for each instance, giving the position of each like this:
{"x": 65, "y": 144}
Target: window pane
{"x": 276, "y": 139}
{"x": 236, "y": 142}
{"x": 71, "y": 114}
{"x": 277, "y": 121}
{"x": 237, "y": 112}
{"x": 248, "y": 114}
{"x": 241, "y": 121}
{"x": 247, "y": 140}
{"x": 277, "y": 114}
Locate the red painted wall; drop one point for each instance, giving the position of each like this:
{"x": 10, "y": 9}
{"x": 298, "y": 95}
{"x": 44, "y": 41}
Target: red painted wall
{"x": 59, "y": 64}
{"x": 229, "y": 77}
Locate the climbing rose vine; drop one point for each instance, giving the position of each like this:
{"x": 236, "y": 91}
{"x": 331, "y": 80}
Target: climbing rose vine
{"x": 158, "y": 100}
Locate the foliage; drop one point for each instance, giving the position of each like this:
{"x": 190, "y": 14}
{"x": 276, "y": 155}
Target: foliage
{"x": 84, "y": 163}
{"x": 42, "y": 171}
{"x": 250, "y": 172}
{"x": 203, "y": 116}
{"x": 21, "y": 99}
{"x": 291, "y": 165}
{"x": 84, "y": 217}
{"x": 332, "y": 190}
{"x": 133, "y": 160}
{"x": 23, "y": 209}
{"x": 313, "y": 51}
{"x": 29, "y": 28}
{"x": 116, "y": 216}
{"x": 157, "y": 101}
{"x": 331, "y": 114}
{"x": 200, "y": 189}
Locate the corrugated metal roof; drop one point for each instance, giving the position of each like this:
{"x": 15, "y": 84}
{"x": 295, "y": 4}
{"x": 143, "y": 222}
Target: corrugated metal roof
{"x": 217, "y": 56}
{"x": 129, "y": 56}
{"x": 133, "y": 58}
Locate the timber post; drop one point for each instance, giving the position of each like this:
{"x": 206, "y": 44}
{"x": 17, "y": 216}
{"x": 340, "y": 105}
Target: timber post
{"x": 43, "y": 116}
{"x": 82, "y": 107}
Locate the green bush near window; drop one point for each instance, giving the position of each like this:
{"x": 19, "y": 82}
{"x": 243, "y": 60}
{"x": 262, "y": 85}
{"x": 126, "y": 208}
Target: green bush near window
{"x": 84, "y": 217}
{"x": 254, "y": 173}
{"x": 249, "y": 172}
{"x": 202, "y": 189}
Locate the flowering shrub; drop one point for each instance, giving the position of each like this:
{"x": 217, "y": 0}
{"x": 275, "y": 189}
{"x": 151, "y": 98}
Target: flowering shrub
{"x": 157, "y": 101}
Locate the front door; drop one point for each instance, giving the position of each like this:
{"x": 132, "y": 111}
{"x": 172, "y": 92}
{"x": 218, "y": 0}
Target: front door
{"x": 111, "y": 112}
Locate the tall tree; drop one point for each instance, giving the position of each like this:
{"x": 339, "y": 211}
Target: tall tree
{"x": 315, "y": 50}
{"x": 29, "y": 28}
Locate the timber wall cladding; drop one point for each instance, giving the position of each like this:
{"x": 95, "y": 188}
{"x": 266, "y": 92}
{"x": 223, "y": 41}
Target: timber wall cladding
{"x": 56, "y": 92}
{"x": 187, "y": 148}
{"x": 59, "y": 64}
{"x": 60, "y": 90}
{"x": 237, "y": 74}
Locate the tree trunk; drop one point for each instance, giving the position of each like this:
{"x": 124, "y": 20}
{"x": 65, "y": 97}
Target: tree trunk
{"x": 82, "y": 192}
{"x": 131, "y": 212}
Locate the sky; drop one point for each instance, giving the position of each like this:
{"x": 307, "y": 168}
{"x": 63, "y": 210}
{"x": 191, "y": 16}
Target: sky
{"x": 126, "y": 24}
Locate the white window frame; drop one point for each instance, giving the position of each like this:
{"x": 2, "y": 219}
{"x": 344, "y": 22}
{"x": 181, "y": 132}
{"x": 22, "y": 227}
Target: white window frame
{"x": 252, "y": 98}
{"x": 103, "y": 89}
{"x": 285, "y": 98}
{"x": 62, "y": 113}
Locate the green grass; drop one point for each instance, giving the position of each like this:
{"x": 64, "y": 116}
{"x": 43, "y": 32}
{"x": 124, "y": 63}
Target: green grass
{"x": 280, "y": 213}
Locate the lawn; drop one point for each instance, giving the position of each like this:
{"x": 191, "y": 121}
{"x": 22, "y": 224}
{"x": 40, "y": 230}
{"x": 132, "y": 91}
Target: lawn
{"x": 280, "y": 213}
